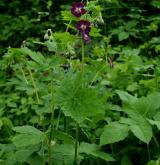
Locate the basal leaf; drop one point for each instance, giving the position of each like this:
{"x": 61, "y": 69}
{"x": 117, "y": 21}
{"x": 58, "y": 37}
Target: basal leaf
{"x": 76, "y": 100}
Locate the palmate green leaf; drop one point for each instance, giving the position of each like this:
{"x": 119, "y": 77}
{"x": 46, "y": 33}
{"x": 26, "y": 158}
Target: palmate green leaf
{"x": 95, "y": 32}
{"x": 94, "y": 150}
{"x": 67, "y": 16}
{"x": 65, "y": 42}
{"x": 76, "y": 100}
{"x": 114, "y": 132}
{"x": 36, "y": 56}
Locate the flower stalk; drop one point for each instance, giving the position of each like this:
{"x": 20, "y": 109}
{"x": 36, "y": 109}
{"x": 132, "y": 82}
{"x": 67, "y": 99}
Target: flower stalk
{"x": 52, "y": 121}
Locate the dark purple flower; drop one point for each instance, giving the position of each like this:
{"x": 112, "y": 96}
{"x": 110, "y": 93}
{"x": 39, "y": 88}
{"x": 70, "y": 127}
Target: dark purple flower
{"x": 86, "y": 38}
{"x": 83, "y": 26}
{"x": 78, "y": 9}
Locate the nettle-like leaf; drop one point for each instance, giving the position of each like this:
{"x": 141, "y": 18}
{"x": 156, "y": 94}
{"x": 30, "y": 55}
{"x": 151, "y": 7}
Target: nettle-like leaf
{"x": 114, "y": 132}
{"x": 139, "y": 126}
{"x": 146, "y": 106}
{"x": 63, "y": 154}
{"x": 77, "y": 100}
{"x": 35, "y": 56}
{"x": 126, "y": 97}
{"x": 27, "y": 136}
{"x": 94, "y": 150}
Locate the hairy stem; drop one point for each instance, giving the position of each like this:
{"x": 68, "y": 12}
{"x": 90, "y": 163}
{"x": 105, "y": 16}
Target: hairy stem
{"x": 25, "y": 79}
{"x": 76, "y": 144}
{"x": 156, "y": 142}
{"x": 68, "y": 25}
{"x": 148, "y": 151}
{"x": 52, "y": 120}
{"x": 83, "y": 56}
{"x": 34, "y": 84}
{"x": 77, "y": 126}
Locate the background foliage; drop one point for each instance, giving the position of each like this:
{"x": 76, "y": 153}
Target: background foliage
{"x": 116, "y": 101}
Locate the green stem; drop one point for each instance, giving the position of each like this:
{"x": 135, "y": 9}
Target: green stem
{"x": 83, "y": 56}
{"x": 149, "y": 155}
{"x": 25, "y": 79}
{"x": 34, "y": 85}
{"x": 156, "y": 142}
{"x": 65, "y": 124}
{"x": 97, "y": 73}
{"x": 76, "y": 144}
{"x": 68, "y": 25}
{"x": 52, "y": 120}
{"x": 111, "y": 145}
{"x": 77, "y": 126}
{"x": 59, "y": 116}
{"x": 156, "y": 78}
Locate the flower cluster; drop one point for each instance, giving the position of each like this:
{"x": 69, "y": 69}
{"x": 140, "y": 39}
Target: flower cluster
{"x": 83, "y": 26}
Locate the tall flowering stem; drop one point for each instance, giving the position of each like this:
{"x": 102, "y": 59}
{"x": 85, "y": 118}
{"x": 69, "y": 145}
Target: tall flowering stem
{"x": 51, "y": 121}
{"x": 34, "y": 85}
{"x": 83, "y": 54}
{"x": 83, "y": 27}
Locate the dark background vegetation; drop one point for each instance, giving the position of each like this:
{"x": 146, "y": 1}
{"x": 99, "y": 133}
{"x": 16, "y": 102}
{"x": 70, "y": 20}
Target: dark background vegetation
{"x": 30, "y": 19}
